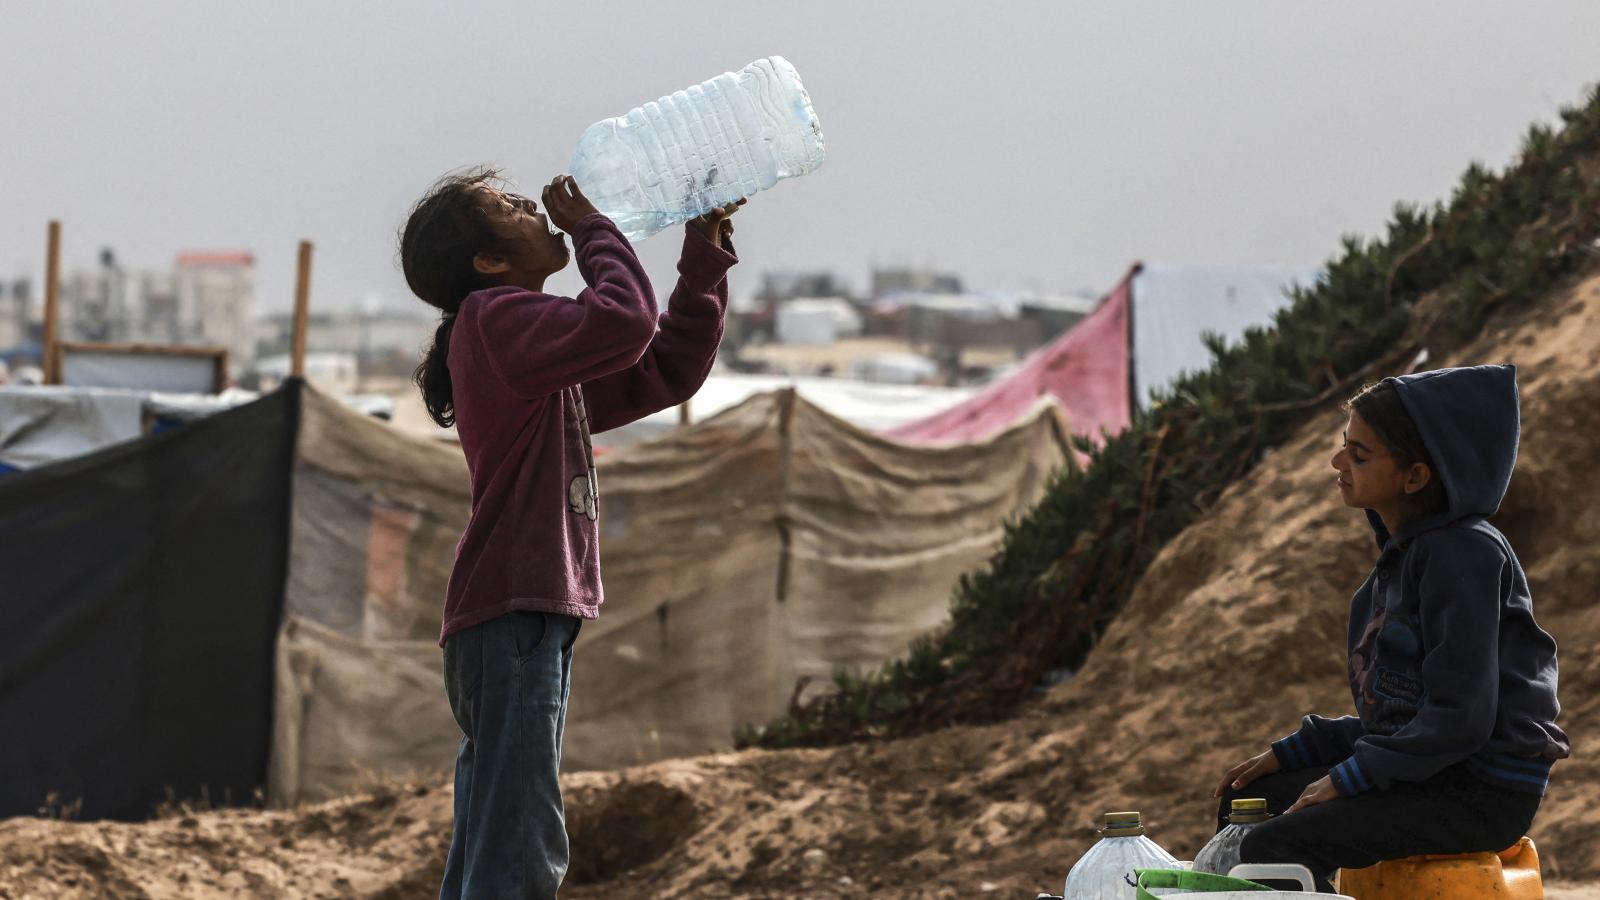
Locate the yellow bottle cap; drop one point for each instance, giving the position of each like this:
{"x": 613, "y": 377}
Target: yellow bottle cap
{"x": 1250, "y": 811}
{"x": 1122, "y": 824}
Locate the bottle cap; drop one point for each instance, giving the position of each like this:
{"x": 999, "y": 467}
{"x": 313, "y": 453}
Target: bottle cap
{"x": 1248, "y": 811}
{"x": 1122, "y": 824}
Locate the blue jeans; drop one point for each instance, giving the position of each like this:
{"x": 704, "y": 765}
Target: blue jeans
{"x": 507, "y": 680}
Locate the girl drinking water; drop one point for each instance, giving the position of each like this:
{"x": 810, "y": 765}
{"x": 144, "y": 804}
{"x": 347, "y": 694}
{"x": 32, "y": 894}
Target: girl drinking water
{"x": 526, "y": 377}
{"x": 1454, "y": 683}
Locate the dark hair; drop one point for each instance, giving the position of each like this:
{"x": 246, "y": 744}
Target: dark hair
{"x": 446, "y": 229}
{"x": 1379, "y": 406}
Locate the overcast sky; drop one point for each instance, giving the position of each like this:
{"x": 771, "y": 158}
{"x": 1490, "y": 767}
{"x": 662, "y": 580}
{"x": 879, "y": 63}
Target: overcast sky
{"x": 1024, "y": 145}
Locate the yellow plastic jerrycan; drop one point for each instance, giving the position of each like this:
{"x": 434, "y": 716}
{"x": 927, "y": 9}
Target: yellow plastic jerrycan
{"x": 1511, "y": 874}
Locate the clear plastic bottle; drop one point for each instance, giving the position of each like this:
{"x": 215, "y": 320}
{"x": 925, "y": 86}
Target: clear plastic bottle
{"x": 691, "y": 151}
{"x": 1106, "y": 871}
{"x": 1221, "y": 853}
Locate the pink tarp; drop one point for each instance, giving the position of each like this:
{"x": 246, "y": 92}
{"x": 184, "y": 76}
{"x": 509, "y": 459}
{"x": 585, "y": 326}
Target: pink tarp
{"x": 1086, "y": 370}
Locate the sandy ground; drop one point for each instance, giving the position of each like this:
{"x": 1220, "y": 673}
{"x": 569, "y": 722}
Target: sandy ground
{"x": 1236, "y": 630}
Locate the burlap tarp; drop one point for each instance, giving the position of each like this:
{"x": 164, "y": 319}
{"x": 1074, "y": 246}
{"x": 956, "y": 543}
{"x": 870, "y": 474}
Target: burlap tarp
{"x": 347, "y": 709}
{"x": 359, "y": 686}
{"x": 771, "y": 542}
{"x": 768, "y": 542}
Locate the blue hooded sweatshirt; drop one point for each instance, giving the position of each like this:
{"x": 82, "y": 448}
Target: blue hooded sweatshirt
{"x": 1447, "y": 665}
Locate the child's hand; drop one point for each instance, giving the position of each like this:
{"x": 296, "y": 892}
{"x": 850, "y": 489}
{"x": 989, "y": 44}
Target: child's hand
{"x": 1248, "y": 771}
{"x": 1319, "y": 791}
{"x": 715, "y": 225}
{"x": 565, "y": 204}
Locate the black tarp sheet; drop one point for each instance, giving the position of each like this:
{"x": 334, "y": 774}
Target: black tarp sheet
{"x": 140, "y": 594}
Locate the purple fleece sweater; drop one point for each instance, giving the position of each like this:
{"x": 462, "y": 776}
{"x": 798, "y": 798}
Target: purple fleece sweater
{"x": 533, "y": 375}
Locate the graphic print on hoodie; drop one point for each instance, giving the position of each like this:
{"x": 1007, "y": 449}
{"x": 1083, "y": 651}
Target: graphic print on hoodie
{"x": 1446, "y": 662}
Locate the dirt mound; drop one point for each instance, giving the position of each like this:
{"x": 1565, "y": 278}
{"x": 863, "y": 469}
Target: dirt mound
{"x": 1235, "y": 631}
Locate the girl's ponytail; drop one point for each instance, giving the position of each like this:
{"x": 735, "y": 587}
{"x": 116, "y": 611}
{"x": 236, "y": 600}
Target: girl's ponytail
{"x": 446, "y": 229}
{"x": 433, "y": 375}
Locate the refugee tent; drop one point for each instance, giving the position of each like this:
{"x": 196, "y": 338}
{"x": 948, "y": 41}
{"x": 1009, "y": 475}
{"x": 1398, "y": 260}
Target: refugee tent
{"x": 1141, "y": 336}
{"x": 251, "y": 602}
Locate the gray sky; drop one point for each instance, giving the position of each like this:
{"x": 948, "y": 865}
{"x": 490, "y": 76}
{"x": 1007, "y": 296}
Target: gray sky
{"x": 1025, "y": 145}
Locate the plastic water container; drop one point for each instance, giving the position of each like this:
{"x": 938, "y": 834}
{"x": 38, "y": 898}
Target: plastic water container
{"x": 1106, "y": 871}
{"x": 1511, "y": 874}
{"x": 1243, "y": 883}
{"x": 700, "y": 148}
{"x": 1221, "y": 853}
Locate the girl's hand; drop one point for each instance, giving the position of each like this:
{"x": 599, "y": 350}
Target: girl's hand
{"x": 1320, "y": 791}
{"x": 1248, "y": 771}
{"x": 565, "y": 204}
{"x": 715, "y": 225}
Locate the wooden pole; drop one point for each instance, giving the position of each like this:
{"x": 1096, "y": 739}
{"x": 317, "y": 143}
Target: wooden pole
{"x": 52, "y": 306}
{"x": 302, "y": 311}
{"x": 683, "y": 413}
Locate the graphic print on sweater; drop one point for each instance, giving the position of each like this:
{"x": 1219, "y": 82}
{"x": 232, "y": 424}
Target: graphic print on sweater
{"x": 583, "y": 493}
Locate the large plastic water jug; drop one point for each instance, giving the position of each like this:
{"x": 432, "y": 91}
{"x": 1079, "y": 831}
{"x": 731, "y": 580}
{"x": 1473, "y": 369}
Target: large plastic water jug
{"x": 700, "y": 148}
{"x": 1221, "y": 853}
{"x": 1106, "y": 871}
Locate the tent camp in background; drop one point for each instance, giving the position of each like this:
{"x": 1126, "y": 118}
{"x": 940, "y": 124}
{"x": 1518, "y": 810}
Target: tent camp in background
{"x": 1144, "y": 333}
{"x": 266, "y": 591}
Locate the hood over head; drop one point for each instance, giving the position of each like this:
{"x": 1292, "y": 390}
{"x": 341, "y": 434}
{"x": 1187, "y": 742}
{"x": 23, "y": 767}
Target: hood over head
{"x": 1471, "y": 423}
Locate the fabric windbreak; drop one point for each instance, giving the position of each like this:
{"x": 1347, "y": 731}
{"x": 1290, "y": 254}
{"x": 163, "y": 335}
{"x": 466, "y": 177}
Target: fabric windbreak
{"x": 140, "y": 591}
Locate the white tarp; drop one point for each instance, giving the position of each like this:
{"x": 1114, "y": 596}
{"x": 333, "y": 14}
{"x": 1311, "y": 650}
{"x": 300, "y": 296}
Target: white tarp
{"x": 868, "y": 406}
{"x": 172, "y": 373}
{"x": 43, "y": 424}
{"x": 1173, "y": 305}
{"x": 39, "y": 425}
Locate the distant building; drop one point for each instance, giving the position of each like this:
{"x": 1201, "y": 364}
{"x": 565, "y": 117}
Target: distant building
{"x": 816, "y": 320}
{"x": 383, "y": 342}
{"x": 1055, "y": 315}
{"x": 215, "y": 303}
{"x": 15, "y": 314}
{"x": 781, "y": 286}
{"x": 913, "y": 281}
{"x": 207, "y": 299}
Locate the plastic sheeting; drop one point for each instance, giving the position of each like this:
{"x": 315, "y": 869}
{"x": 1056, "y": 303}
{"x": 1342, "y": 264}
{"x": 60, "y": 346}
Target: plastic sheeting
{"x": 1174, "y": 305}
{"x": 1086, "y": 370}
{"x": 40, "y": 425}
{"x": 1143, "y": 334}
{"x": 140, "y": 590}
{"x": 175, "y": 373}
